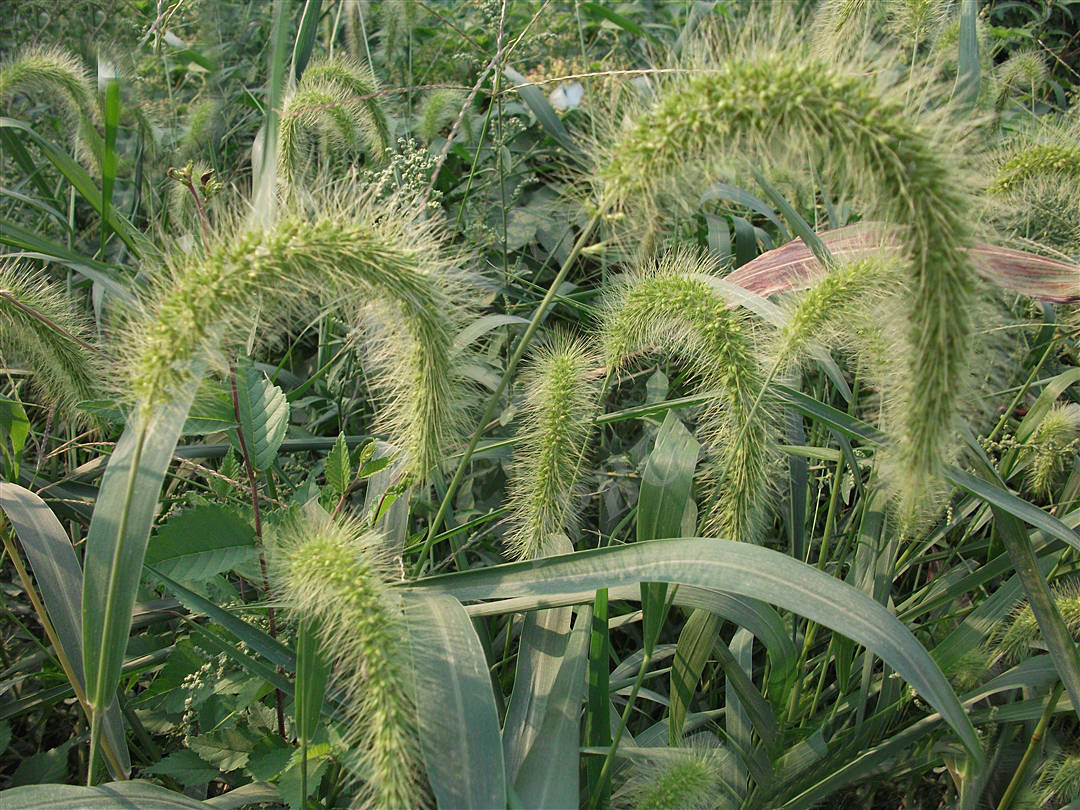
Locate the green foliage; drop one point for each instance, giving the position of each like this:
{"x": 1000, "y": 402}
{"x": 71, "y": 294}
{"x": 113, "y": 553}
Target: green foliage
{"x": 279, "y": 294}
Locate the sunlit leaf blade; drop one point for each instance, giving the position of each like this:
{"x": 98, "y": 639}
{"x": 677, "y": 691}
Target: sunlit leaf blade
{"x": 737, "y": 568}
{"x": 116, "y": 541}
{"x": 59, "y": 578}
{"x": 794, "y": 267}
{"x": 549, "y": 774}
{"x": 462, "y": 751}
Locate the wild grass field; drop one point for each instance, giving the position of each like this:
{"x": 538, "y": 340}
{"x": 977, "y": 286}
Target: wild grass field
{"x": 520, "y": 404}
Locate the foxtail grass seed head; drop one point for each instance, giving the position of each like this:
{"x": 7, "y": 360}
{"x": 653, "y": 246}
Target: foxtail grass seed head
{"x": 375, "y": 258}
{"x": 329, "y": 571}
{"x": 1020, "y": 630}
{"x": 49, "y": 73}
{"x": 873, "y": 143}
{"x": 440, "y": 109}
{"x": 339, "y": 100}
{"x": 559, "y": 406}
{"x": 1054, "y": 443}
{"x": 38, "y": 322}
{"x": 690, "y": 778}
{"x": 1059, "y": 780}
{"x": 668, "y": 305}
{"x": 1023, "y": 73}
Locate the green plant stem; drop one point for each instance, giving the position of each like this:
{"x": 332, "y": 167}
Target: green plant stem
{"x": 253, "y": 483}
{"x": 609, "y": 757}
{"x": 1020, "y": 394}
{"x": 1036, "y": 738}
{"x": 493, "y": 400}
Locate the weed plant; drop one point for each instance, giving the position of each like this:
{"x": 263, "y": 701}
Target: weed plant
{"x": 500, "y": 405}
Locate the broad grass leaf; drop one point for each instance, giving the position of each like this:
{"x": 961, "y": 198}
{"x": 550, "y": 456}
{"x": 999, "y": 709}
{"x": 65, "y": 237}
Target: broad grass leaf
{"x": 59, "y": 578}
{"x": 458, "y": 720}
{"x": 737, "y": 568}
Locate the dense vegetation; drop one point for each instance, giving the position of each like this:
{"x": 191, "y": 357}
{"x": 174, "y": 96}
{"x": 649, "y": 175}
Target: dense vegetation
{"x": 518, "y": 404}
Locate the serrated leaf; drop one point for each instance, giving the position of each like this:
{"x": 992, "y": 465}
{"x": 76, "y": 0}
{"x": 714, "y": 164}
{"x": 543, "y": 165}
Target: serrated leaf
{"x": 185, "y": 767}
{"x": 227, "y": 749}
{"x": 270, "y": 756}
{"x": 264, "y": 414}
{"x": 200, "y": 543}
{"x": 338, "y": 468}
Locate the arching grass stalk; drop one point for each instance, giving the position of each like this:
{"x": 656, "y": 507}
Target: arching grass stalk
{"x": 670, "y": 305}
{"x": 866, "y": 140}
{"x": 338, "y": 98}
{"x": 55, "y": 74}
{"x": 330, "y": 573}
{"x": 206, "y": 303}
{"x": 395, "y": 261}
{"x": 39, "y": 325}
{"x": 493, "y": 400}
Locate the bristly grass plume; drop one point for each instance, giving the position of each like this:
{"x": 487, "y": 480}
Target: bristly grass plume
{"x": 871, "y": 139}
{"x": 338, "y": 99}
{"x": 52, "y": 73}
{"x": 41, "y": 326}
{"x": 329, "y": 571}
{"x": 375, "y": 258}
{"x": 559, "y": 407}
{"x": 669, "y": 305}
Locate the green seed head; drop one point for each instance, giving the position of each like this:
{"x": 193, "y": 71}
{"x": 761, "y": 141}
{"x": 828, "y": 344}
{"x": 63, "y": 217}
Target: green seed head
{"x": 559, "y": 407}
{"x": 41, "y": 326}
{"x": 330, "y": 572}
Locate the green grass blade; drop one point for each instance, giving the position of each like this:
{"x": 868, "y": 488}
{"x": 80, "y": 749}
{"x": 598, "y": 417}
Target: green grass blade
{"x": 549, "y": 774}
{"x": 84, "y": 184}
{"x": 135, "y": 795}
{"x": 109, "y": 162}
{"x": 694, "y": 648}
{"x": 455, "y": 705}
{"x": 305, "y": 37}
{"x": 116, "y": 544}
{"x": 254, "y": 638}
{"x": 663, "y": 502}
{"x": 737, "y": 568}
{"x": 1056, "y": 635}
{"x": 544, "y": 634}
{"x": 265, "y": 150}
{"x": 968, "y": 68}
{"x": 534, "y": 97}
{"x": 59, "y": 578}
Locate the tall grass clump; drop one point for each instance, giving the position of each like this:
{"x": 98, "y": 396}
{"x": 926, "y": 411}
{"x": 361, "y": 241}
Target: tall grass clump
{"x": 560, "y": 403}
{"x": 41, "y": 326}
{"x": 330, "y": 573}
{"x": 668, "y": 305}
{"x": 757, "y": 101}
{"x": 375, "y": 256}
{"x": 337, "y": 99}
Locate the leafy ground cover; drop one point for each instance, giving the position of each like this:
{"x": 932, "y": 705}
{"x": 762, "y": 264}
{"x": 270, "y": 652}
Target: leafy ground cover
{"x": 510, "y": 404}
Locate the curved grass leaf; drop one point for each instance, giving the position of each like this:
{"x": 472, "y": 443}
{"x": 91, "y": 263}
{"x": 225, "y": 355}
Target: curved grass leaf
{"x": 116, "y": 544}
{"x": 549, "y": 774}
{"x": 134, "y": 795}
{"x": 462, "y": 751}
{"x": 737, "y": 568}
